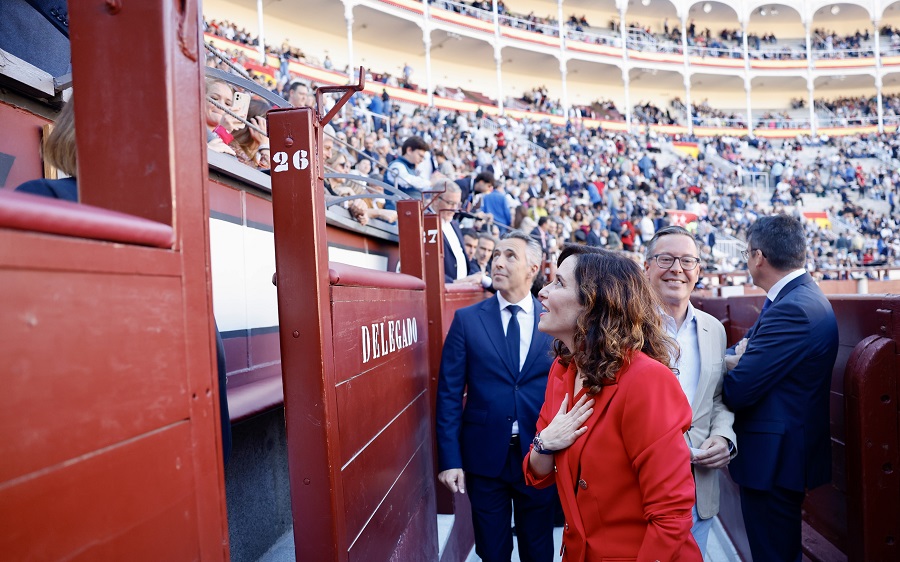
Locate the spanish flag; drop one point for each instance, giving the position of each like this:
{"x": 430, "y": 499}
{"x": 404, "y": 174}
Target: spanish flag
{"x": 820, "y": 218}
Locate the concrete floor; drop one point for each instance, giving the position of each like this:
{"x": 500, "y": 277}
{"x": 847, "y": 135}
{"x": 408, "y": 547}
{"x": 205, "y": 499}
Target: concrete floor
{"x": 719, "y": 548}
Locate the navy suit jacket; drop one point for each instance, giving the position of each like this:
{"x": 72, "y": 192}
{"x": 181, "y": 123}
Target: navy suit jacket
{"x": 475, "y": 359}
{"x": 779, "y": 392}
{"x": 467, "y": 186}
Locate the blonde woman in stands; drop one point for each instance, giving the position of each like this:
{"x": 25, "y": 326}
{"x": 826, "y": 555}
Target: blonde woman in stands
{"x": 220, "y": 126}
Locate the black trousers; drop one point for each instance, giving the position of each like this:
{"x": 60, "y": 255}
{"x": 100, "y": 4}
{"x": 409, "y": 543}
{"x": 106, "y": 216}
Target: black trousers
{"x": 494, "y": 500}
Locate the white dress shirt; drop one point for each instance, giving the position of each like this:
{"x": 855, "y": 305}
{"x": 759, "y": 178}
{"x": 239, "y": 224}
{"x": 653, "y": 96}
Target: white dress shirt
{"x": 526, "y": 327}
{"x": 462, "y": 266}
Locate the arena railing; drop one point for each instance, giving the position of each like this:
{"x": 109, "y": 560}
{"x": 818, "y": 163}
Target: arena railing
{"x": 310, "y": 72}
{"x": 461, "y": 8}
{"x": 550, "y": 30}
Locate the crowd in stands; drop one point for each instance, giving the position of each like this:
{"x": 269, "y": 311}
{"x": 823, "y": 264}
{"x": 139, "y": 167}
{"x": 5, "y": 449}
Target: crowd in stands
{"x": 861, "y": 110}
{"x": 608, "y": 187}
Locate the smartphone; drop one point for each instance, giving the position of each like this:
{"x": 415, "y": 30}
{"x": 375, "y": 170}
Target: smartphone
{"x": 240, "y": 104}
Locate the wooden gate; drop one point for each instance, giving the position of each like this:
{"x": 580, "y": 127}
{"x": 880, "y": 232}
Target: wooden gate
{"x": 110, "y": 437}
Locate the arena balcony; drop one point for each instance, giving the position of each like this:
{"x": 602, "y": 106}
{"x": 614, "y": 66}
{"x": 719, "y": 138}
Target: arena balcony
{"x": 753, "y": 60}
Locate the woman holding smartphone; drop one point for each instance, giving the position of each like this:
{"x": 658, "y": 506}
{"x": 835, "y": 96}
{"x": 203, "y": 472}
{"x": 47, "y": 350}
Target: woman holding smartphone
{"x": 611, "y": 431}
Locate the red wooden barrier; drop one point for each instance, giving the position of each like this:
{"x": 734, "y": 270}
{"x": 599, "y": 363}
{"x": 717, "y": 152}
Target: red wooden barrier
{"x": 354, "y": 363}
{"x": 109, "y": 418}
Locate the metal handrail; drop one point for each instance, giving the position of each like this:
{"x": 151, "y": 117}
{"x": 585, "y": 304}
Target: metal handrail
{"x": 518, "y": 23}
{"x": 842, "y": 53}
{"x": 594, "y": 38}
{"x": 716, "y": 52}
{"x": 460, "y": 8}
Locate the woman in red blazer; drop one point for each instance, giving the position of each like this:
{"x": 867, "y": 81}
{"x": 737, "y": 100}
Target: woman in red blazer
{"x": 618, "y": 454}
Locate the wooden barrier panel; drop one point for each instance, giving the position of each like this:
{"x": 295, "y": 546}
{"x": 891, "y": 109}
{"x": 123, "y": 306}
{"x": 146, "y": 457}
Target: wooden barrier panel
{"x": 354, "y": 350}
{"x": 110, "y": 437}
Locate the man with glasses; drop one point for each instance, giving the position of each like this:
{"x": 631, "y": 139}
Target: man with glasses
{"x": 673, "y": 268}
{"x": 778, "y": 385}
{"x": 457, "y": 267}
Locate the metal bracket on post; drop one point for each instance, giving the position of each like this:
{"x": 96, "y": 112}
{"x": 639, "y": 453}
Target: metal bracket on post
{"x": 348, "y": 91}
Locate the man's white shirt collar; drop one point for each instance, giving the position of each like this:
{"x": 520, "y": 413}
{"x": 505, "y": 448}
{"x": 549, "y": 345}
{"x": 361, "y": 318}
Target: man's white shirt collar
{"x": 526, "y": 304}
{"x": 777, "y": 287}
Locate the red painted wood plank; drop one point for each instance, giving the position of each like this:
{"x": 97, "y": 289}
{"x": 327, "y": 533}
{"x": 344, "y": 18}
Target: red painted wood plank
{"x": 378, "y": 541}
{"x": 20, "y": 249}
{"x": 368, "y": 402}
{"x": 366, "y": 319}
{"x": 369, "y": 477}
{"x": 113, "y": 373}
{"x": 133, "y": 501}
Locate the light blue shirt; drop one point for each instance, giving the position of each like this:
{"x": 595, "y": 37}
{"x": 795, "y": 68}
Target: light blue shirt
{"x": 688, "y": 364}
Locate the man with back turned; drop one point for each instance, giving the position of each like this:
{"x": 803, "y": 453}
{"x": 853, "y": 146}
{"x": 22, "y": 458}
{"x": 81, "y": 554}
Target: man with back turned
{"x": 496, "y": 355}
{"x": 778, "y": 388}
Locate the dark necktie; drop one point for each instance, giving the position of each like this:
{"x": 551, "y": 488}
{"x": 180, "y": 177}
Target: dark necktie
{"x": 513, "y": 336}
{"x": 765, "y": 307}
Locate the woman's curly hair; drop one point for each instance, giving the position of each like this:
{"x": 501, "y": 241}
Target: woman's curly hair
{"x": 621, "y": 316}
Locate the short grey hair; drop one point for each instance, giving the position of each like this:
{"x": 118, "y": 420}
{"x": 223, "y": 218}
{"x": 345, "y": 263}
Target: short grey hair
{"x": 532, "y": 248}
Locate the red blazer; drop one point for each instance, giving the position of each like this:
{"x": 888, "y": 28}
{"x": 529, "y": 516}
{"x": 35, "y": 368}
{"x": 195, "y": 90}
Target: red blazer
{"x": 625, "y": 485}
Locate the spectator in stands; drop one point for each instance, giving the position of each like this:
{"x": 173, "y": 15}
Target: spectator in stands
{"x": 493, "y": 354}
{"x": 542, "y": 234}
{"x": 778, "y": 386}
{"x": 251, "y": 144}
{"x": 458, "y": 266}
{"x": 368, "y": 208}
{"x": 474, "y": 185}
{"x": 595, "y": 235}
{"x": 484, "y": 252}
{"x": 672, "y": 266}
{"x": 614, "y": 416}
{"x": 59, "y": 151}
{"x": 496, "y": 205}
{"x": 383, "y": 153}
{"x": 402, "y": 171}
{"x": 220, "y": 126}
{"x": 300, "y": 95}
{"x": 470, "y": 243}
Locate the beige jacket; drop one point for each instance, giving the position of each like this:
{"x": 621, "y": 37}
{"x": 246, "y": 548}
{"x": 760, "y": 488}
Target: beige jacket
{"x": 711, "y": 417}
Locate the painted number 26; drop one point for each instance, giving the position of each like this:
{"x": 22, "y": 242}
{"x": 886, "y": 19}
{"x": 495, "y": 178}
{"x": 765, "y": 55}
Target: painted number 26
{"x": 299, "y": 160}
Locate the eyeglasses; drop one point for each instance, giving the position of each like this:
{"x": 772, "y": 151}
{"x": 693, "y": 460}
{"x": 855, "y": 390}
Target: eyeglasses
{"x": 749, "y": 252}
{"x": 451, "y": 203}
{"x": 665, "y": 261}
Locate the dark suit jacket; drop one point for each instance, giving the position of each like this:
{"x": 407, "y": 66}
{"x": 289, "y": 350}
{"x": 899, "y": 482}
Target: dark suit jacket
{"x": 779, "y": 392}
{"x": 467, "y": 186}
{"x": 593, "y": 239}
{"x": 475, "y": 359}
{"x": 450, "y": 258}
